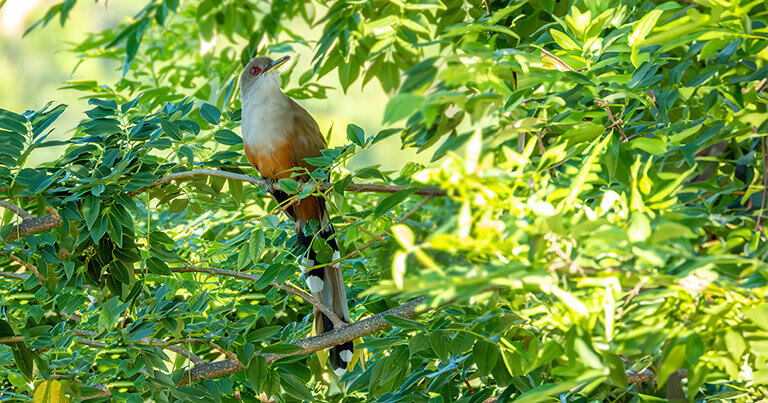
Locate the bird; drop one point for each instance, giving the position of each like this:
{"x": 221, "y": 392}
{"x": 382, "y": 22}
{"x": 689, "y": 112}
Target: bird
{"x": 278, "y": 136}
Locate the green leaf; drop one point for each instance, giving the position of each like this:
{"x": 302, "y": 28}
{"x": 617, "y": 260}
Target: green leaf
{"x": 673, "y": 359}
{"x": 91, "y": 208}
{"x": 639, "y": 227}
{"x": 640, "y": 31}
{"x": 178, "y": 205}
{"x": 268, "y": 276}
{"x": 256, "y": 244}
{"x": 356, "y": 134}
{"x": 296, "y": 387}
{"x": 281, "y": 349}
{"x": 389, "y": 202}
{"x": 564, "y": 40}
{"x": 404, "y": 323}
{"x": 171, "y": 129}
{"x": 288, "y": 185}
{"x": 210, "y": 113}
{"x": 486, "y": 355}
{"x": 402, "y": 106}
{"x": 157, "y": 266}
{"x": 649, "y": 145}
{"x": 227, "y": 137}
{"x": 758, "y": 315}
{"x": 257, "y": 372}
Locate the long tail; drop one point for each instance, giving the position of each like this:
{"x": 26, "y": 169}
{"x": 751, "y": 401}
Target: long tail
{"x": 327, "y": 283}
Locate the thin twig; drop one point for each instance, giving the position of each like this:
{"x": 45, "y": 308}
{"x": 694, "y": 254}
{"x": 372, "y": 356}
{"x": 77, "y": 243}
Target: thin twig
{"x": 16, "y": 209}
{"x": 632, "y": 293}
{"x": 287, "y": 287}
{"x": 15, "y": 276}
{"x": 100, "y": 386}
{"x": 29, "y": 267}
{"x": 765, "y": 185}
{"x": 540, "y": 142}
{"x": 605, "y": 106}
{"x": 557, "y": 59}
{"x": 11, "y": 339}
{"x": 353, "y": 187}
{"x": 309, "y": 345}
{"x": 761, "y": 85}
{"x": 146, "y": 340}
{"x": 488, "y": 6}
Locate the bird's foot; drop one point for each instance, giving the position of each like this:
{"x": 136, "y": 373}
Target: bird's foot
{"x": 269, "y": 184}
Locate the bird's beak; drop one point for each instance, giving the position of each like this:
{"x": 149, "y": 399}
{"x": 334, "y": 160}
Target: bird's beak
{"x": 277, "y": 63}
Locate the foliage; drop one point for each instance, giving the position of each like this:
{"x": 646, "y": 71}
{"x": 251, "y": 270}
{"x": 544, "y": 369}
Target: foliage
{"x": 604, "y": 163}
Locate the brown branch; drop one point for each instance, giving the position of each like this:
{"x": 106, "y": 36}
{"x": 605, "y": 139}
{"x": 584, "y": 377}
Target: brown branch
{"x": 100, "y": 386}
{"x": 615, "y": 123}
{"x": 765, "y": 185}
{"x": 557, "y": 59}
{"x": 150, "y": 341}
{"x": 287, "y": 287}
{"x": 641, "y": 376}
{"x": 309, "y": 345}
{"x": 15, "y": 276}
{"x": 11, "y": 339}
{"x": 761, "y": 85}
{"x": 35, "y": 225}
{"x": 29, "y": 267}
{"x": 488, "y": 6}
{"x": 353, "y": 187}
{"x": 16, "y": 209}
{"x": 104, "y": 392}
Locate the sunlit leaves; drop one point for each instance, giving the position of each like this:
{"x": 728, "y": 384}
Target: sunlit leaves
{"x": 603, "y": 166}
{"x": 402, "y": 106}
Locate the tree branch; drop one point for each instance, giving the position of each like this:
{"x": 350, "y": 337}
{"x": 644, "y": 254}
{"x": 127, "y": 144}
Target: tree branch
{"x": 353, "y": 187}
{"x": 29, "y": 267}
{"x": 35, "y": 225}
{"x": 16, "y": 209}
{"x": 309, "y": 345}
{"x": 15, "y": 276}
{"x": 150, "y": 341}
{"x": 287, "y": 287}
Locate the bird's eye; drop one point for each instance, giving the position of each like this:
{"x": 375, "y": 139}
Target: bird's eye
{"x": 255, "y": 71}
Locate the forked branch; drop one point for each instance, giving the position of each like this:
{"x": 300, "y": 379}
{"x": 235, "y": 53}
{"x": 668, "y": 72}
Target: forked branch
{"x": 353, "y": 187}
{"x": 309, "y": 345}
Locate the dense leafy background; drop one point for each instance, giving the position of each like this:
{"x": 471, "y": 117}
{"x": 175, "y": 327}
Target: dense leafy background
{"x": 605, "y": 163}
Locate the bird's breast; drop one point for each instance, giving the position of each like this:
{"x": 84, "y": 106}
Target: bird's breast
{"x": 266, "y": 131}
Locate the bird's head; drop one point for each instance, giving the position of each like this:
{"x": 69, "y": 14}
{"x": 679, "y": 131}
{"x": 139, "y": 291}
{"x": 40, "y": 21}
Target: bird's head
{"x": 261, "y": 71}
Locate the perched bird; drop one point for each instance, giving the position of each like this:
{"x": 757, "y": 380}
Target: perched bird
{"x": 278, "y": 135}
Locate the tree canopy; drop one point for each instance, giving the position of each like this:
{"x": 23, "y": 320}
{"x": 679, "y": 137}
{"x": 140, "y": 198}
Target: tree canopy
{"x": 589, "y": 226}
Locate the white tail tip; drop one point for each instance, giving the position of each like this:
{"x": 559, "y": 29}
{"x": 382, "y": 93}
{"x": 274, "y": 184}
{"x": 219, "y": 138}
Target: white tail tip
{"x": 315, "y": 284}
{"x": 346, "y": 355}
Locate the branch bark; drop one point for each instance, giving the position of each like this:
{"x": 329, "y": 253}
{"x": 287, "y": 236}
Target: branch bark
{"x": 35, "y": 225}
{"x": 16, "y": 209}
{"x": 29, "y": 267}
{"x": 309, "y": 345}
{"x": 353, "y": 187}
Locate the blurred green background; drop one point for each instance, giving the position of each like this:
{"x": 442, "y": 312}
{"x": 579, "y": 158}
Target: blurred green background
{"x": 33, "y": 70}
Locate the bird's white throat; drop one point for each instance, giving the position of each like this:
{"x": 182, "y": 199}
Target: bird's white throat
{"x": 266, "y": 113}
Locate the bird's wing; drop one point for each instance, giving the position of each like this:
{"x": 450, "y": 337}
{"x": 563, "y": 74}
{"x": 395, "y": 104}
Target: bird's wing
{"x": 306, "y": 139}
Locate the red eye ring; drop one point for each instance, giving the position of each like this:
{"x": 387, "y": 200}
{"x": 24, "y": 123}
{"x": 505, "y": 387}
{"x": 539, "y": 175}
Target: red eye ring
{"x": 255, "y": 71}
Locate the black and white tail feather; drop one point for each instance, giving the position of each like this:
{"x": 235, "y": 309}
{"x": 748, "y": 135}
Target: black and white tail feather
{"x": 327, "y": 285}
